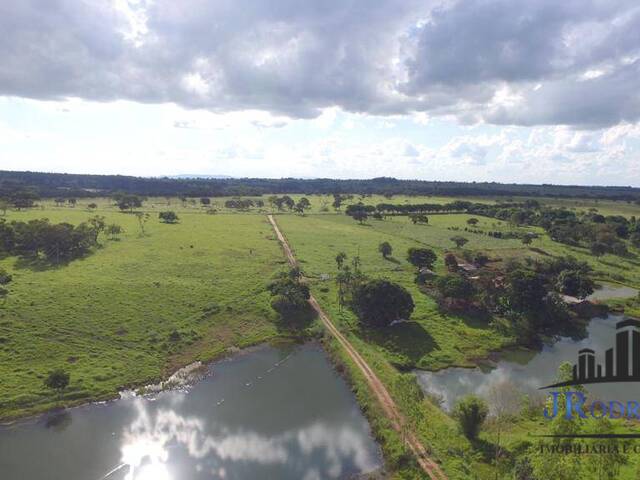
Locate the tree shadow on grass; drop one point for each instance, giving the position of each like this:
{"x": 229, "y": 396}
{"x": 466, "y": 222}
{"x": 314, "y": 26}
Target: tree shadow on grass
{"x": 485, "y": 448}
{"x": 409, "y": 340}
{"x": 392, "y": 260}
{"x": 36, "y": 264}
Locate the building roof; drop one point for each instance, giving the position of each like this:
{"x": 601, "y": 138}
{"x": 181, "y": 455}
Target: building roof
{"x": 629, "y": 322}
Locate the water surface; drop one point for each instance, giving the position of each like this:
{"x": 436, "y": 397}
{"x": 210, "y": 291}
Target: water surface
{"x": 608, "y": 291}
{"x": 524, "y": 372}
{"x": 270, "y": 413}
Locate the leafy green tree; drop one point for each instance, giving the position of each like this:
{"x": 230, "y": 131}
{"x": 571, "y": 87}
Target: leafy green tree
{"x": 57, "y": 380}
{"x": 168, "y": 217}
{"x": 5, "y": 277}
{"x": 289, "y": 296}
{"x": 450, "y": 262}
{"x": 340, "y": 258}
{"x": 459, "y": 241}
{"x": 92, "y": 206}
{"x": 385, "y": 249}
{"x": 113, "y": 231}
{"x": 128, "y": 202}
{"x": 472, "y": 221}
{"x": 418, "y": 218}
{"x": 525, "y": 290}
{"x": 288, "y": 202}
{"x": 98, "y": 225}
{"x": 142, "y": 218}
{"x": 302, "y": 205}
{"x": 455, "y": 286}
{"x": 379, "y": 302}
{"x": 421, "y": 257}
{"x": 470, "y": 412}
{"x": 598, "y": 248}
{"x": 205, "y": 201}
{"x": 337, "y": 201}
{"x": 575, "y": 283}
{"x": 360, "y": 216}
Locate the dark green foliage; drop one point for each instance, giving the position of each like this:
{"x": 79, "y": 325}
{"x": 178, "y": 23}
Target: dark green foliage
{"x": 450, "y": 262}
{"x": 598, "y": 248}
{"x": 57, "y": 380}
{"x": 289, "y": 296}
{"x": 419, "y": 218}
{"x": 379, "y": 302}
{"x": 455, "y": 286}
{"x": 168, "y": 217}
{"x": 470, "y": 412}
{"x": 5, "y": 277}
{"x": 55, "y": 184}
{"x": 421, "y": 257}
{"x": 239, "y": 204}
{"x": 525, "y": 290}
{"x": 58, "y": 243}
{"x": 128, "y": 202}
{"x": 205, "y": 201}
{"x": 472, "y": 221}
{"x": 385, "y": 249}
{"x": 302, "y": 205}
{"x": 113, "y": 231}
{"x": 459, "y": 241}
{"x": 575, "y": 283}
{"x": 340, "y": 258}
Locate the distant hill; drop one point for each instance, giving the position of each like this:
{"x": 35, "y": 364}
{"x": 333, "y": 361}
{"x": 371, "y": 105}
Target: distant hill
{"x": 64, "y": 184}
{"x": 198, "y": 175}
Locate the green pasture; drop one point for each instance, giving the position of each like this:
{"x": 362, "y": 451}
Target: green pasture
{"x": 135, "y": 308}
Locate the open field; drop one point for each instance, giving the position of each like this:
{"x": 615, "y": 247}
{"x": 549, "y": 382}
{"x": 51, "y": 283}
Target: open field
{"x": 136, "y": 307}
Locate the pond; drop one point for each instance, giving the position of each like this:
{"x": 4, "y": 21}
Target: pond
{"x": 524, "y": 372}
{"x": 608, "y": 291}
{"x": 266, "y": 413}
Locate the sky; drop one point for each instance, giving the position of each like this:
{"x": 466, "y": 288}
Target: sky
{"x": 471, "y": 90}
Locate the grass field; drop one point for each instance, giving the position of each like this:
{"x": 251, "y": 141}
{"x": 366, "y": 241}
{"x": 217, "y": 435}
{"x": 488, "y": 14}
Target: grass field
{"x": 111, "y": 318}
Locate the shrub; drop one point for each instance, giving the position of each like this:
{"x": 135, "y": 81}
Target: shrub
{"x": 470, "y": 412}
{"x": 57, "y": 380}
{"x": 168, "y": 217}
{"x": 421, "y": 257}
{"x": 454, "y": 286}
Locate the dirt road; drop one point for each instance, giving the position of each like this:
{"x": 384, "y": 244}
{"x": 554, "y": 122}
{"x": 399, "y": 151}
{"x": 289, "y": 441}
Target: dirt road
{"x": 430, "y": 467}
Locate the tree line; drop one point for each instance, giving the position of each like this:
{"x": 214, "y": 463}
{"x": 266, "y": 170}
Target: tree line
{"x": 601, "y": 234}
{"x": 53, "y": 242}
{"x": 53, "y": 185}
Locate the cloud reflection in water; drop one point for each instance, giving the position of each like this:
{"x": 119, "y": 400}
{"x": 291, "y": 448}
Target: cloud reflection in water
{"x": 148, "y": 441}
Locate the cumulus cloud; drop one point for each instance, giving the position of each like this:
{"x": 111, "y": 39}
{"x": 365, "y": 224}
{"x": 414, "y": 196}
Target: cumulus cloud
{"x": 574, "y": 62}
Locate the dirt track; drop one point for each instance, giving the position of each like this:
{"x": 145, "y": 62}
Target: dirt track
{"x": 430, "y": 467}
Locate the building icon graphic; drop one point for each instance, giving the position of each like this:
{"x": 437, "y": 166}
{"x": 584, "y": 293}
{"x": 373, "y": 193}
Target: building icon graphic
{"x": 621, "y": 363}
